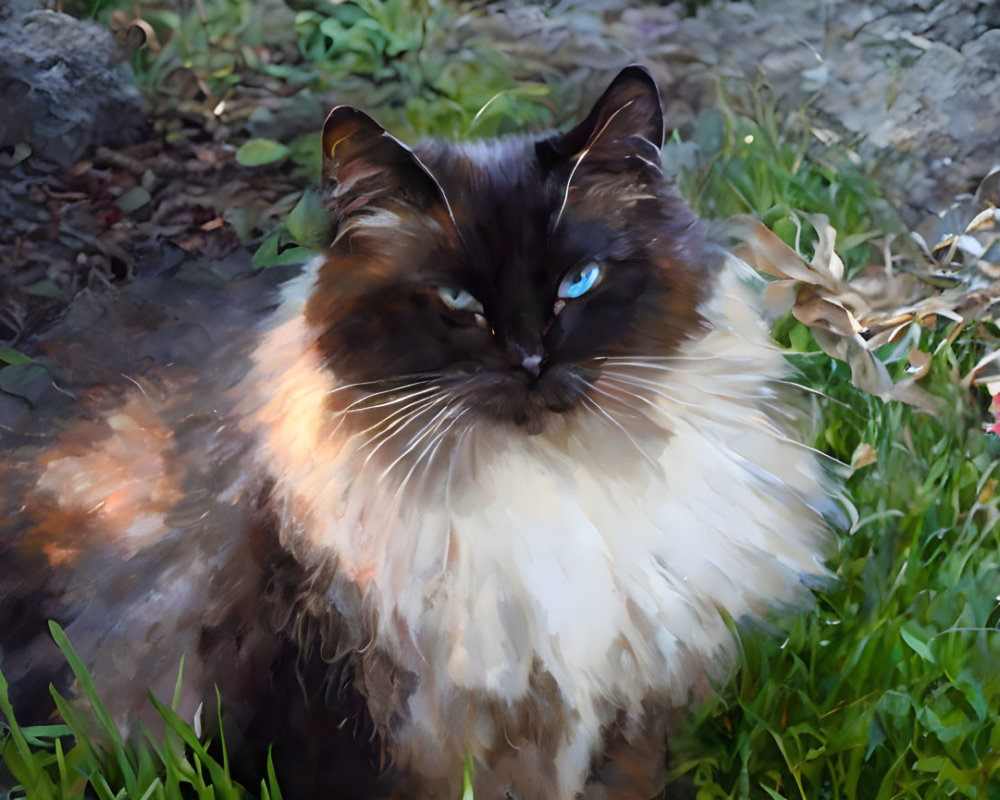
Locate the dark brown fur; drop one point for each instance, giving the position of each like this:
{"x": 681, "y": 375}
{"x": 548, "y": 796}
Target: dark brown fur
{"x": 491, "y": 220}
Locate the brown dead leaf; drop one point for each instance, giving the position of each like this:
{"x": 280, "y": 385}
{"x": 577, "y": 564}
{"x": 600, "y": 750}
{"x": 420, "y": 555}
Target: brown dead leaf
{"x": 130, "y": 38}
{"x": 820, "y": 312}
{"x": 825, "y": 259}
{"x": 985, "y": 372}
{"x": 214, "y": 243}
{"x": 920, "y": 363}
{"x": 765, "y": 252}
{"x": 864, "y": 455}
{"x": 779, "y": 297}
{"x": 886, "y": 334}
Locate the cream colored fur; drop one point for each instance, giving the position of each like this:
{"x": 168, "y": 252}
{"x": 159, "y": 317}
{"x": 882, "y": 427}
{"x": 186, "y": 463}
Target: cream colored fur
{"x": 599, "y": 550}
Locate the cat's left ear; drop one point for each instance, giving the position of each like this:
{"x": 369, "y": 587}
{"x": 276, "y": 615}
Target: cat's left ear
{"x": 627, "y": 120}
{"x": 364, "y": 166}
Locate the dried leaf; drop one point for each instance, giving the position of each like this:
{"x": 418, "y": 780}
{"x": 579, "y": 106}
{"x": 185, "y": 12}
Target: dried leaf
{"x": 765, "y": 252}
{"x": 920, "y": 363}
{"x": 779, "y": 297}
{"x": 820, "y": 312}
{"x": 984, "y": 220}
{"x": 825, "y": 259}
{"x": 870, "y": 375}
{"x": 864, "y": 455}
{"x": 985, "y": 372}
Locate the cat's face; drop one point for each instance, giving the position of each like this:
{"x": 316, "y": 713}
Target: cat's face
{"x": 502, "y": 274}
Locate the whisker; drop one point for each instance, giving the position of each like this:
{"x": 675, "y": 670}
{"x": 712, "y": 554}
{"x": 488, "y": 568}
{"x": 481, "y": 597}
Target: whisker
{"x": 764, "y": 420}
{"x": 646, "y": 362}
{"x": 352, "y": 407}
{"x": 650, "y": 386}
{"x": 396, "y": 415}
{"x": 382, "y": 381}
{"x": 418, "y": 437}
{"x": 432, "y": 449}
{"x": 356, "y": 408}
{"x": 621, "y": 388}
{"x": 400, "y": 426}
{"x": 802, "y": 387}
{"x": 599, "y": 410}
{"x": 618, "y": 400}
{"x": 391, "y": 390}
{"x": 579, "y": 160}
{"x": 647, "y": 359}
{"x": 455, "y": 450}
{"x": 780, "y": 435}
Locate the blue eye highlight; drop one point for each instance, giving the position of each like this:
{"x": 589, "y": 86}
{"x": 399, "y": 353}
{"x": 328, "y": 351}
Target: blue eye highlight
{"x": 580, "y": 281}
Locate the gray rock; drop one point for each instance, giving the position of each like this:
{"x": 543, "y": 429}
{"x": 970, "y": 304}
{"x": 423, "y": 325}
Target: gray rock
{"x": 63, "y": 86}
{"x": 11, "y": 7}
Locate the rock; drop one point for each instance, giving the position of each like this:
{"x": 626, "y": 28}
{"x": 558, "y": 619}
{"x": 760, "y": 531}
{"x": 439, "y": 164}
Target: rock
{"x": 63, "y": 87}
{"x": 927, "y": 112}
{"x": 11, "y": 7}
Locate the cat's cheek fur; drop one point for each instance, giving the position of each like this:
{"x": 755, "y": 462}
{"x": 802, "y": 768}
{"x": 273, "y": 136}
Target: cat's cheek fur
{"x": 477, "y": 573}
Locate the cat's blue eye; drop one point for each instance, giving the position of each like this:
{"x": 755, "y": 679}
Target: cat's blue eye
{"x": 579, "y": 281}
{"x": 459, "y": 300}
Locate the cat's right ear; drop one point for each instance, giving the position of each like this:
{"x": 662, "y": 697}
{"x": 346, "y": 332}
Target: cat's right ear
{"x": 364, "y": 166}
{"x": 626, "y": 121}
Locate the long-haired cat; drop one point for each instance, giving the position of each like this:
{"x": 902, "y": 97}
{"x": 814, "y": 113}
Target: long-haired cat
{"x": 505, "y": 456}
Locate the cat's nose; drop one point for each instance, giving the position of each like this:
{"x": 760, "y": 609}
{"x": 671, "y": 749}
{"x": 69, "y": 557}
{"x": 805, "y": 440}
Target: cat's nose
{"x": 532, "y": 364}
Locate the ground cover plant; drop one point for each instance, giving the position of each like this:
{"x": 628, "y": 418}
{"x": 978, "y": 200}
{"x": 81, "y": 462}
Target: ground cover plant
{"x": 887, "y": 687}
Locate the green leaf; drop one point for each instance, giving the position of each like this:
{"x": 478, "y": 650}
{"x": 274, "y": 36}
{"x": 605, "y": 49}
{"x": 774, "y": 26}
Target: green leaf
{"x": 278, "y": 249}
{"x": 12, "y": 356}
{"x": 468, "y": 773}
{"x": 222, "y": 784}
{"x": 133, "y": 199}
{"x": 24, "y": 380}
{"x": 272, "y": 779}
{"x": 917, "y": 644}
{"x": 86, "y": 684}
{"x": 21, "y": 760}
{"x": 258, "y": 152}
{"x": 310, "y": 223}
{"x": 44, "y": 735}
{"x": 44, "y": 288}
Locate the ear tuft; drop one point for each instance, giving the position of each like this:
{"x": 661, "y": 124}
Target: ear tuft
{"x": 351, "y": 132}
{"x": 363, "y": 165}
{"x": 629, "y": 109}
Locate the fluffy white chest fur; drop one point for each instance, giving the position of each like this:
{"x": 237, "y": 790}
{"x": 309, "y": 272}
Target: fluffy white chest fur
{"x": 597, "y": 552}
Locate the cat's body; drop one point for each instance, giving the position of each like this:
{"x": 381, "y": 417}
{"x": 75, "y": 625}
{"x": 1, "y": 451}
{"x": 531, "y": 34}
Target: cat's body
{"x": 504, "y": 451}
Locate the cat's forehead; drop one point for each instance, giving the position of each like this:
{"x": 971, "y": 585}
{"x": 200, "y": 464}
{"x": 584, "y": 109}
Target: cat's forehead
{"x": 505, "y": 205}
{"x": 493, "y": 166}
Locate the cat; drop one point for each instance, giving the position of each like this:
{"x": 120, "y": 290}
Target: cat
{"x": 492, "y": 472}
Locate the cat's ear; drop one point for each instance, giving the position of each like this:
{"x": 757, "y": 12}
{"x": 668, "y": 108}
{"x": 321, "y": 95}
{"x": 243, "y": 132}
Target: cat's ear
{"x": 626, "y": 120}
{"x": 364, "y": 166}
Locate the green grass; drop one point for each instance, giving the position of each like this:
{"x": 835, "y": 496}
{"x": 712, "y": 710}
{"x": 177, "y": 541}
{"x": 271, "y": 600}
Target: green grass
{"x": 886, "y": 689}
{"x": 86, "y": 757}
{"x": 889, "y": 688}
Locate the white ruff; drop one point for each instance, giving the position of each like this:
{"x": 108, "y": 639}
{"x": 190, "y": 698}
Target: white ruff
{"x": 567, "y": 550}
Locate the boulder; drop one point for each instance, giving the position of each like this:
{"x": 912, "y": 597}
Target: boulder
{"x": 64, "y": 86}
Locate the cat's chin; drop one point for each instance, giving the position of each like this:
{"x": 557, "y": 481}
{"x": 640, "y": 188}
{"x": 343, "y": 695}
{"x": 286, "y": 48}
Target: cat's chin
{"x": 524, "y": 402}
